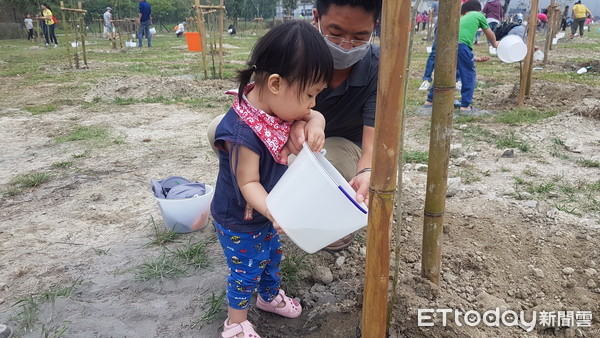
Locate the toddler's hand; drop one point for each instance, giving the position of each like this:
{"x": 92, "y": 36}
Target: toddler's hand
{"x": 315, "y": 136}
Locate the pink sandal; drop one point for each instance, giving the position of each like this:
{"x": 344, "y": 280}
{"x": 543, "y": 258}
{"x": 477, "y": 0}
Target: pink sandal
{"x": 292, "y": 308}
{"x": 231, "y": 331}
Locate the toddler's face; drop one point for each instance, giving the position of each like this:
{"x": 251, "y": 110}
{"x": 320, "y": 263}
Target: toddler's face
{"x": 290, "y": 106}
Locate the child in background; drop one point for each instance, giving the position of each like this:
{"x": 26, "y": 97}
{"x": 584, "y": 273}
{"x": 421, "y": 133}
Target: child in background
{"x": 290, "y": 65}
{"x": 29, "y": 26}
{"x": 470, "y": 21}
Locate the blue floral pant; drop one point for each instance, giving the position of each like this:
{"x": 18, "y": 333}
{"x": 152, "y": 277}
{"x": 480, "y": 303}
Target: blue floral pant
{"x": 253, "y": 259}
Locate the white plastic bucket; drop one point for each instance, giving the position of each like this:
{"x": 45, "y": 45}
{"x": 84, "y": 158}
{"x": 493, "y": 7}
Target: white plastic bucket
{"x": 560, "y": 35}
{"x": 75, "y": 44}
{"x": 429, "y": 49}
{"x": 554, "y": 41}
{"x": 511, "y": 49}
{"x": 152, "y": 31}
{"x": 187, "y": 214}
{"x": 313, "y": 203}
{"x": 493, "y": 51}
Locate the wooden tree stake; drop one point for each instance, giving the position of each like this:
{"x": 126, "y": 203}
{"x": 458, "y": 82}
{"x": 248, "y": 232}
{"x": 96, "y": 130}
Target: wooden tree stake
{"x": 528, "y": 63}
{"x": 395, "y": 32}
{"x": 439, "y": 139}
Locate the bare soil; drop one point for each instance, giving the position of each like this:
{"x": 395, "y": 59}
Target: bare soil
{"x": 90, "y": 225}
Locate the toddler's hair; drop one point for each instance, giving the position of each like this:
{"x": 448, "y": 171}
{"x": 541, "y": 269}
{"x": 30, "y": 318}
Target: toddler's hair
{"x": 470, "y": 6}
{"x": 295, "y": 50}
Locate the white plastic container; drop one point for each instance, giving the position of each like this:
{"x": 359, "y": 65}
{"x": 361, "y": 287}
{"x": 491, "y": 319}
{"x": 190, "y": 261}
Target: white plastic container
{"x": 187, "y": 214}
{"x": 314, "y": 204}
{"x": 554, "y": 41}
{"x": 493, "y": 50}
{"x": 75, "y": 44}
{"x": 511, "y": 49}
{"x": 152, "y": 31}
{"x": 538, "y": 55}
{"x": 560, "y": 35}
{"x": 429, "y": 49}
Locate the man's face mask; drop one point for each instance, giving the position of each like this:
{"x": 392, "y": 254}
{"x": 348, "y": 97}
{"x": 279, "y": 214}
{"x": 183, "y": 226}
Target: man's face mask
{"x": 343, "y": 58}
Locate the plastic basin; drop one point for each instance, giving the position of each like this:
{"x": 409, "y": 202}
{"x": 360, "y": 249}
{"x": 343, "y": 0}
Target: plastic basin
{"x": 314, "y": 204}
{"x": 511, "y": 49}
{"x": 188, "y": 214}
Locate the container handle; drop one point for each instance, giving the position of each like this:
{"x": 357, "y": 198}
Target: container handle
{"x": 352, "y": 200}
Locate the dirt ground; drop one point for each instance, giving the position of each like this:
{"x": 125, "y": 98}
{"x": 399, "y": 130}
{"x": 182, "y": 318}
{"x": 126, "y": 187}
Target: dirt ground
{"x": 89, "y": 226}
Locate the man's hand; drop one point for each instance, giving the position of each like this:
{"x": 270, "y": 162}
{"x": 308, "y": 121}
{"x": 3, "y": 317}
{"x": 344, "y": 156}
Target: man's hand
{"x": 360, "y": 183}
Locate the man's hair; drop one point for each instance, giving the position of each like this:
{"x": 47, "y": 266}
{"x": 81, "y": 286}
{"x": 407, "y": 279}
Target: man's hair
{"x": 370, "y": 6}
{"x": 470, "y": 6}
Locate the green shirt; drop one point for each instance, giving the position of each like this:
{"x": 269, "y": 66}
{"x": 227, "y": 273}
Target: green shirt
{"x": 469, "y": 24}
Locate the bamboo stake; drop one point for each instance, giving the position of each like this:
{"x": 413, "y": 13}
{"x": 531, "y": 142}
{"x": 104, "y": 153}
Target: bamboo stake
{"x": 439, "y": 139}
{"x": 528, "y": 63}
{"x": 67, "y": 28}
{"x": 82, "y": 26}
{"x": 398, "y": 210}
{"x": 549, "y": 31}
{"x": 221, "y": 18}
{"x": 200, "y": 21}
{"x": 530, "y": 71}
{"x": 396, "y": 26}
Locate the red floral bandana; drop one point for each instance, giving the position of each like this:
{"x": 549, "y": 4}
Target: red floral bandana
{"x": 270, "y": 129}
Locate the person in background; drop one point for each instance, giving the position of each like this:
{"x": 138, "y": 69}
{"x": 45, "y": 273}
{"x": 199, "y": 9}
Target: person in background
{"x": 542, "y": 21}
{"x": 145, "y": 15}
{"x": 29, "y": 25}
{"x": 108, "y": 25}
{"x": 49, "y": 25}
{"x": 589, "y": 22}
{"x": 424, "y": 19}
{"x": 494, "y": 14}
{"x": 580, "y": 13}
{"x": 470, "y": 21}
{"x": 418, "y": 20}
{"x": 565, "y": 16}
{"x": 231, "y": 30}
{"x": 289, "y": 66}
{"x": 180, "y": 29}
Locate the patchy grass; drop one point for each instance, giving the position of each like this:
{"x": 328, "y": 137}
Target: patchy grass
{"x": 162, "y": 237}
{"x": 27, "y": 317}
{"x": 41, "y": 109}
{"x": 589, "y": 163}
{"x": 194, "y": 254}
{"x": 83, "y": 133}
{"x": 62, "y": 165}
{"x": 511, "y": 141}
{"x": 523, "y": 116}
{"x": 415, "y": 156}
{"x": 165, "y": 266}
{"x": 290, "y": 266}
{"x": 124, "y": 101}
{"x": 217, "y": 307}
{"x": 31, "y": 180}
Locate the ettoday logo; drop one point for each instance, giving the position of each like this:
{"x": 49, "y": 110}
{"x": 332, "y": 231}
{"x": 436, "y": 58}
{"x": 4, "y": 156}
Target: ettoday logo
{"x": 497, "y": 318}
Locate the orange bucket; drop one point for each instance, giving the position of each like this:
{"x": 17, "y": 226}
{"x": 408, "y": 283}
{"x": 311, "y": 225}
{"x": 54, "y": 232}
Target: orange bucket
{"x": 193, "y": 41}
